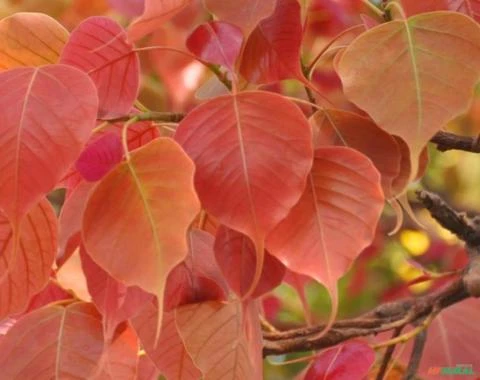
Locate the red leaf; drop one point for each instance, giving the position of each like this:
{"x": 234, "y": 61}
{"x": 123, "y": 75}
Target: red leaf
{"x": 246, "y": 16}
{"x": 47, "y": 115}
{"x": 170, "y": 356}
{"x": 100, "y": 157}
{"x": 272, "y": 51}
{"x": 216, "y": 42}
{"x": 235, "y": 255}
{"x": 51, "y": 293}
{"x": 234, "y": 141}
{"x": 157, "y": 13}
{"x": 336, "y": 127}
{"x": 54, "y": 341}
{"x": 25, "y": 267}
{"x": 99, "y": 47}
{"x": 153, "y": 173}
{"x": 469, "y": 7}
{"x": 198, "y": 277}
{"x": 215, "y": 336}
{"x": 413, "y": 7}
{"x": 349, "y": 361}
{"x": 129, "y": 8}
{"x": 115, "y": 301}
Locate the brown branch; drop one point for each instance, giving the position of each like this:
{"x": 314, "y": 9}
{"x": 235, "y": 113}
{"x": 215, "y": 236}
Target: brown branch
{"x": 449, "y": 141}
{"x": 416, "y": 355}
{"x": 167, "y": 117}
{"x": 394, "y": 315}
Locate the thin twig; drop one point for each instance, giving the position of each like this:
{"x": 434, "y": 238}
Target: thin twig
{"x": 416, "y": 355}
{"x": 388, "y": 355}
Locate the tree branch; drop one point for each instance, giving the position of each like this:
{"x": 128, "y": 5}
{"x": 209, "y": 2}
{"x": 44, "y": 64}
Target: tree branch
{"x": 450, "y": 141}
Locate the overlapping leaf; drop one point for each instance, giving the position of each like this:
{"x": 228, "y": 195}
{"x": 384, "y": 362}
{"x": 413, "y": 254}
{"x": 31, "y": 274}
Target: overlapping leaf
{"x": 170, "y": 356}
{"x": 214, "y": 335}
{"x": 416, "y": 74}
{"x": 469, "y": 7}
{"x": 25, "y": 267}
{"x": 56, "y": 342}
{"x": 156, "y": 13}
{"x": 336, "y": 127}
{"x": 216, "y": 42}
{"x": 333, "y": 221}
{"x": 235, "y": 142}
{"x": 47, "y": 115}
{"x": 246, "y": 17}
{"x": 99, "y": 47}
{"x": 30, "y": 39}
{"x": 272, "y": 51}
{"x": 348, "y": 361}
{"x": 141, "y": 212}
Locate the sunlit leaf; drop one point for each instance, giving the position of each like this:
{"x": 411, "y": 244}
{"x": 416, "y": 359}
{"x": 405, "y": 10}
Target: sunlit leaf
{"x": 272, "y": 51}
{"x": 348, "y": 361}
{"x": 215, "y": 336}
{"x": 47, "y": 115}
{"x": 235, "y": 142}
{"x": 30, "y": 39}
{"x": 56, "y": 342}
{"x": 99, "y": 47}
{"x": 246, "y": 17}
{"x": 216, "y": 42}
{"x": 156, "y": 13}
{"x": 24, "y": 271}
{"x": 416, "y": 74}
{"x": 148, "y": 202}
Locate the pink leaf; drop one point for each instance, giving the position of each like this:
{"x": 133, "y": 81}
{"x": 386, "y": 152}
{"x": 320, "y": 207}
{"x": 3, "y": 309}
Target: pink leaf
{"x": 272, "y": 51}
{"x": 234, "y": 141}
{"x": 129, "y": 8}
{"x": 47, "y": 115}
{"x": 99, "y": 47}
{"x": 157, "y": 13}
{"x": 25, "y": 267}
{"x": 349, "y": 361}
{"x": 469, "y": 7}
{"x": 216, "y": 42}
{"x": 100, "y": 157}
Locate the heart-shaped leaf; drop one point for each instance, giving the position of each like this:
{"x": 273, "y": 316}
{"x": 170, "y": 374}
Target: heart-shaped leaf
{"x": 30, "y": 39}
{"x": 47, "y": 115}
{"x": 235, "y": 141}
{"x": 99, "y": 47}
{"x": 133, "y": 198}
{"x": 413, "y": 76}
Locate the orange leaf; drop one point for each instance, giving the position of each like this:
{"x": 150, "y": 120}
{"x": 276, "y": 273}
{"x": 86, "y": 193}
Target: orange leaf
{"x": 416, "y": 74}
{"x": 24, "y": 271}
{"x": 214, "y": 334}
{"x": 141, "y": 212}
{"x": 253, "y": 152}
{"x": 30, "y": 39}
{"x": 54, "y": 342}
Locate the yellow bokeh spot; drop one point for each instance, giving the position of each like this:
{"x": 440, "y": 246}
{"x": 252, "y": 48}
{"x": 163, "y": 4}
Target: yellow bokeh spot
{"x": 409, "y": 273}
{"x": 416, "y": 242}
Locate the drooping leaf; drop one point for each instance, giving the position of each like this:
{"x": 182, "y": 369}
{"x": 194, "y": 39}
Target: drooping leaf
{"x": 336, "y": 127}
{"x": 55, "y": 341}
{"x": 215, "y": 337}
{"x": 348, "y": 361}
{"x": 197, "y": 278}
{"x": 334, "y": 220}
{"x": 115, "y": 301}
{"x": 156, "y": 13}
{"x": 235, "y": 141}
{"x": 30, "y": 39}
{"x": 235, "y": 254}
{"x": 416, "y": 74}
{"x": 216, "y": 42}
{"x": 246, "y": 17}
{"x": 99, "y": 47}
{"x": 47, "y": 115}
{"x": 128, "y": 209}
{"x": 272, "y": 51}
{"x": 24, "y": 271}
{"x": 169, "y": 356}
{"x": 99, "y": 157}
